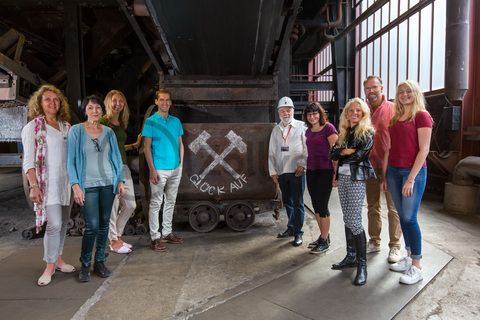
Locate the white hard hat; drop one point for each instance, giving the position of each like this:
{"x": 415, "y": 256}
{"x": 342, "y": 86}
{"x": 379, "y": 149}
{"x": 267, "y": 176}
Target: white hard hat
{"x": 285, "y": 102}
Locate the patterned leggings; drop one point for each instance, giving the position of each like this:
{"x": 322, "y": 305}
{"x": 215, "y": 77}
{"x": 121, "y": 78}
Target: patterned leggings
{"x": 352, "y": 195}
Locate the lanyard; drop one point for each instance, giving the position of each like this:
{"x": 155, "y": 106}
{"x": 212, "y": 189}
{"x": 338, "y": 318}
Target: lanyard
{"x": 288, "y": 133}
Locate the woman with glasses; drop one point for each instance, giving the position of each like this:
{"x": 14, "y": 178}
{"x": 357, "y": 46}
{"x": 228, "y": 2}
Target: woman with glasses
{"x": 123, "y": 207}
{"x": 320, "y": 137}
{"x": 45, "y": 151}
{"x": 405, "y": 167}
{"x": 95, "y": 172}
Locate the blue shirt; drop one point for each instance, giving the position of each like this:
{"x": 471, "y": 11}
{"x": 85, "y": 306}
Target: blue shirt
{"x": 98, "y": 169}
{"x": 165, "y": 146}
{"x": 77, "y": 159}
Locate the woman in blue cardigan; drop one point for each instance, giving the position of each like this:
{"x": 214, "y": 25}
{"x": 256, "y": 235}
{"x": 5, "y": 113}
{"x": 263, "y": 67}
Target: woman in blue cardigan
{"x": 94, "y": 166}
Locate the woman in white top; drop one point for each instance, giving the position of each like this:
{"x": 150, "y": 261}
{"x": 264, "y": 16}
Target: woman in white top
{"x": 44, "y": 141}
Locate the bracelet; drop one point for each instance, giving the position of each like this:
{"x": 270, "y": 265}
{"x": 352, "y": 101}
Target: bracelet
{"x": 411, "y": 180}
{"x": 32, "y": 186}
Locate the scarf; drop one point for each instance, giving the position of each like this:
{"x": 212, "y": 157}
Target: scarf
{"x": 40, "y": 133}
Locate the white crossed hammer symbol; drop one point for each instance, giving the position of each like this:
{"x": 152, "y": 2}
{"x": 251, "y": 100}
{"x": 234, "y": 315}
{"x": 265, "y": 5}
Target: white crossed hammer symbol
{"x": 201, "y": 143}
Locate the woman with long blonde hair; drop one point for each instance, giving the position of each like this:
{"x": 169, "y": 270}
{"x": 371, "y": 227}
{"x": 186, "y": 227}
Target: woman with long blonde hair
{"x": 44, "y": 141}
{"x": 353, "y": 169}
{"x": 406, "y": 170}
{"x": 116, "y": 117}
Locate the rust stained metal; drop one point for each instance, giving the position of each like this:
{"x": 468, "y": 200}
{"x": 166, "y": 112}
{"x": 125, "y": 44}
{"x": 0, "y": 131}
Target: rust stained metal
{"x": 195, "y": 88}
{"x": 236, "y": 94}
{"x": 227, "y": 161}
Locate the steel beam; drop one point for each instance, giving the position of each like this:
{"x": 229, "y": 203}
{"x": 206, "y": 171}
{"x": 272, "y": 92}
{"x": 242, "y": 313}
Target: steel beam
{"x": 74, "y": 55}
{"x": 224, "y": 89}
{"x": 367, "y": 13}
{"x": 10, "y": 65}
{"x": 285, "y": 34}
{"x": 162, "y": 34}
{"x": 343, "y": 56}
{"x": 159, "y": 65}
{"x": 56, "y": 3}
{"x": 311, "y": 85}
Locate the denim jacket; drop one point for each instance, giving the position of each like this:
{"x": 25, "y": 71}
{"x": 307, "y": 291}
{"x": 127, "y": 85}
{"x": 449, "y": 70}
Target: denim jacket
{"x": 360, "y": 167}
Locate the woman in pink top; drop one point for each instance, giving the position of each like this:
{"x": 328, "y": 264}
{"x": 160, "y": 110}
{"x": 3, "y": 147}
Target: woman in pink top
{"x": 406, "y": 171}
{"x": 320, "y": 137}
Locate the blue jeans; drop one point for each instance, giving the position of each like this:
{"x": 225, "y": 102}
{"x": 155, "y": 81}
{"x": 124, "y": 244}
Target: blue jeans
{"x": 407, "y": 207}
{"x": 96, "y": 212}
{"x": 292, "y": 196}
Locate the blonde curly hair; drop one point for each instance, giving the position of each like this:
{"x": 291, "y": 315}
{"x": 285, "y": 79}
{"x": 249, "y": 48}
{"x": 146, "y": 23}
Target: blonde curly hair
{"x": 364, "y": 127}
{"x": 35, "y": 103}
{"x": 124, "y": 114}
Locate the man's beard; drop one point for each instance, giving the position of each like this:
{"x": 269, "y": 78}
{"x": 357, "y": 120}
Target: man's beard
{"x": 286, "y": 121}
{"x": 372, "y": 98}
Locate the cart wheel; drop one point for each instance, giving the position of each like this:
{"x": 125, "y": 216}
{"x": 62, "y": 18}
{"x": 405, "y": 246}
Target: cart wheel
{"x": 79, "y": 222}
{"x": 70, "y": 224}
{"x": 27, "y": 234}
{"x": 31, "y": 233}
{"x": 240, "y": 216}
{"x": 203, "y": 217}
{"x": 140, "y": 229}
{"x": 129, "y": 230}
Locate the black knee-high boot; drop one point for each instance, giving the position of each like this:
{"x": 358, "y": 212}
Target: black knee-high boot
{"x": 350, "y": 260}
{"x": 361, "y": 247}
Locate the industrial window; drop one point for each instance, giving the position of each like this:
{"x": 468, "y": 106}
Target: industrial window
{"x": 321, "y": 69}
{"x": 405, "y": 39}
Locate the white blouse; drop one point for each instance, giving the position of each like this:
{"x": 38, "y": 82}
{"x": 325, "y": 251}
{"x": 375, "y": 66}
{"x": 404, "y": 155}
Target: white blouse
{"x": 58, "y": 188}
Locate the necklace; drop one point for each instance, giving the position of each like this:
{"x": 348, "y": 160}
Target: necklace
{"x": 92, "y": 124}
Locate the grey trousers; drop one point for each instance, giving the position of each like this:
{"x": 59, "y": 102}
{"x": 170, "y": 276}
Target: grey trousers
{"x": 168, "y": 186}
{"x": 57, "y": 217}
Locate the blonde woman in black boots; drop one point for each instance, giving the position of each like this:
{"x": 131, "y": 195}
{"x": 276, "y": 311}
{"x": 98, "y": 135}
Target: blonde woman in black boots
{"x": 351, "y": 151}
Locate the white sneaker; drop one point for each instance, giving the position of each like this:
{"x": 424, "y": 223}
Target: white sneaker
{"x": 394, "y": 255}
{"x": 402, "y": 265}
{"x": 413, "y": 275}
{"x": 372, "y": 248}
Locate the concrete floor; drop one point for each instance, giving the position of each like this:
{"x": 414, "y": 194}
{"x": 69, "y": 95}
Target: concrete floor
{"x": 215, "y": 270}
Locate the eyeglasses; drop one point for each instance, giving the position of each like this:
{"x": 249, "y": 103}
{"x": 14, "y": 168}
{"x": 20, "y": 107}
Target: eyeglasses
{"x": 97, "y": 145}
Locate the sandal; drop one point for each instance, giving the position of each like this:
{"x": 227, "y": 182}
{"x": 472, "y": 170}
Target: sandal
{"x": 65, "y": 268}
{"x": 121, "y": 250}
{"x": 128, "y": 245}
{"x": 45, "y": 279}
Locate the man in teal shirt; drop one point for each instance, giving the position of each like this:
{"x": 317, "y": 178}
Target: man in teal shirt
{"x": 163, "y": 148}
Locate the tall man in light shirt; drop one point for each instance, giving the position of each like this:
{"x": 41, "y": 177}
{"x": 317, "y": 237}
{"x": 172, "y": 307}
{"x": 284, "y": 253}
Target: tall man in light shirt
{"x": 381, "y": 112}
{"x": 287, "y": 160}
{"x": 163, "y": 148}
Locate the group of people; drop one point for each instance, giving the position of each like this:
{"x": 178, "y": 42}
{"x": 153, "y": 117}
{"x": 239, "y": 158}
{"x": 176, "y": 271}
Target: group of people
{"x": 381, "y": 147}
{"x": 90, "y": 159}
